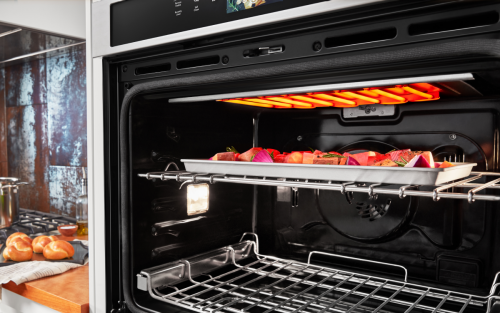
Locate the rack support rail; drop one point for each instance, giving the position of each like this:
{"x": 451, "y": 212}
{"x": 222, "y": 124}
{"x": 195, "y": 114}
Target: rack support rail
{"x": 439, "y": 192}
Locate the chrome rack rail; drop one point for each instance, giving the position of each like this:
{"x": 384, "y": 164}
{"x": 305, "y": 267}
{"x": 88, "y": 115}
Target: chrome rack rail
{"x": 371, "y": 189}
{"x": 247, "y": 281}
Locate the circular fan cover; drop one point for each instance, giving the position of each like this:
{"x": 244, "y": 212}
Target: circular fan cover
{"x": 377, "y": 219}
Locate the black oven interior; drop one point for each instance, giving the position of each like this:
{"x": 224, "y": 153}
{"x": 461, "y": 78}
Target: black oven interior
{"x": 449, "y": 244}
{"x": 446, "y": 243}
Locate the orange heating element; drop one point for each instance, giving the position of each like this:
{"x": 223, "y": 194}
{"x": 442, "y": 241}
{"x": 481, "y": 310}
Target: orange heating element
{"x": 387, "y": 95}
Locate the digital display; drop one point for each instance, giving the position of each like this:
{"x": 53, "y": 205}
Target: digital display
{"x": 241, "y": 5}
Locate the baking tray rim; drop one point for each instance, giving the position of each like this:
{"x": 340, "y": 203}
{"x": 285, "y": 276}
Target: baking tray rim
{"x": 357, "y": 167}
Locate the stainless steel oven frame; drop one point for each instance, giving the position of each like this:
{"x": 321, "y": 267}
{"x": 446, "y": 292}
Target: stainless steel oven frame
{"x": 99, "y": 48}
{"x": 101, "y": 31}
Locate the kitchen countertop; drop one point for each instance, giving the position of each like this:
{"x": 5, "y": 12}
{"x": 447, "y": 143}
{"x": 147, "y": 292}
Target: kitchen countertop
{"x": 66, "y": 292}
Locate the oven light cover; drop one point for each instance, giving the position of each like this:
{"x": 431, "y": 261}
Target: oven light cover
{"x": 197, "y": 199}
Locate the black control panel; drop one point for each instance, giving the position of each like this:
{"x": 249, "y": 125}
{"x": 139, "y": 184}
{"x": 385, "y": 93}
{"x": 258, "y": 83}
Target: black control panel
{"x": 135, "y": 20}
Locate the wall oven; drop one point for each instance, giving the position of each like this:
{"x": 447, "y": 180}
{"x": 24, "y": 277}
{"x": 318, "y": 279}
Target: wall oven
{"x": 182, "y": 80}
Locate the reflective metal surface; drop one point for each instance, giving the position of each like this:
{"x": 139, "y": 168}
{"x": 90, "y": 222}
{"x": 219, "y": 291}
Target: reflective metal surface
{"x": 101, "y": 31}
{"x": 9, "y": 200}
{"x": 9, "y": 206}
{"x": 328, "y": 185}
{"x": 237, "y": 279}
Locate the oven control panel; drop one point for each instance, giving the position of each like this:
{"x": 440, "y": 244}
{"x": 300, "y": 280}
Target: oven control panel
{"x": 136, "y": 20}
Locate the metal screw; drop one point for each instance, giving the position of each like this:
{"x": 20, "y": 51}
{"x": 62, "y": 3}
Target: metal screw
{"x": 299, "y": 138}
{"x": 317, "y": 46}
{"x": 352, "y": 114}
{"x": 375, "y": 109}
{"x": 367, "y": 111}
{"x": 453, "y": 137}
{"x": 225, "y": 59}
{"x": 124, "y": 68}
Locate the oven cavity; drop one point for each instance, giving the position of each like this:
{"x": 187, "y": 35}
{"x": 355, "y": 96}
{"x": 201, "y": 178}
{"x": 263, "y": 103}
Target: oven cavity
{"x": 300, "y": 230}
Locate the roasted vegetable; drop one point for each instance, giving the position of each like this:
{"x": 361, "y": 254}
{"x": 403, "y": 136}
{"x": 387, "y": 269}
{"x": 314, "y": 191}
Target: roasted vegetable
{"x": 226, "y": 156}
{"x": 262, "y": 156}
{"x": 273, "y": 152}
{"x": 386, "y": 162}
{"x": 418, "y": 161}
{"x": 401, "y": 158}
{"x": 248, "y": 155}
{"x": 280, "y": 158}
{"x": 445, "y": 164}
{"x": 352, "y": 161}
{"x": 231, "y": 149}
{"x": 327, "y": 161}
{"x": 294, "y": 157}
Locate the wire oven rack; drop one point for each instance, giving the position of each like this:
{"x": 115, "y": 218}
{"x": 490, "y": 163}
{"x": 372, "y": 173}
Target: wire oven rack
{"x": 372, "y": 189}
{"x": 239, "y": 279}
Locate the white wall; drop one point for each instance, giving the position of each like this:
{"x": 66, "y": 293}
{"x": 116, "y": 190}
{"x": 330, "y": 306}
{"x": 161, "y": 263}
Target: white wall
{"x": 65, "y": 17}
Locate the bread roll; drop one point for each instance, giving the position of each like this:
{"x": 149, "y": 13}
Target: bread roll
{"x": 58, "y": 250}
{"x": 18, "y": 250}
{"x": 23, "y": 236}
{"x": 41, "y": 241}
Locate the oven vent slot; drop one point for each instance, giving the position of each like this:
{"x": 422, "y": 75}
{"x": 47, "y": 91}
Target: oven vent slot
{"x": 360, "y": 38}
{"x": 158, "y": 68}
{"x": 456, "y": 23}
{"x": 205, "y": 61}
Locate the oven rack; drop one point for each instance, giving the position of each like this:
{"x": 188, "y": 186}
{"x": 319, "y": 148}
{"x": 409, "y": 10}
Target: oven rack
{"x": 439, "y": 192}
{"x": 237, "y": 278}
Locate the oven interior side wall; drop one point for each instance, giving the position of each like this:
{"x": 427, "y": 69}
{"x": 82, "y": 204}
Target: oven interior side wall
{"x": 162, "y": 133}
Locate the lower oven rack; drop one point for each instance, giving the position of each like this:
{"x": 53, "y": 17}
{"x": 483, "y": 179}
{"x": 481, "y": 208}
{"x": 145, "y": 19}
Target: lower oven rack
{"x": 239, "y": 279}
{"x": 440, "y": 191}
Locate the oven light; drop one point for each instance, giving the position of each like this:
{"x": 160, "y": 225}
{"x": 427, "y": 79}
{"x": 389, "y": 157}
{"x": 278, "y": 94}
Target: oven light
{"x": 197, "y": 199}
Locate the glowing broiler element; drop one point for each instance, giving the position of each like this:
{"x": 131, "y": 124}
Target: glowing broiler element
{"x": 388, "y": 95}
{"x": 197, "y": 199}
